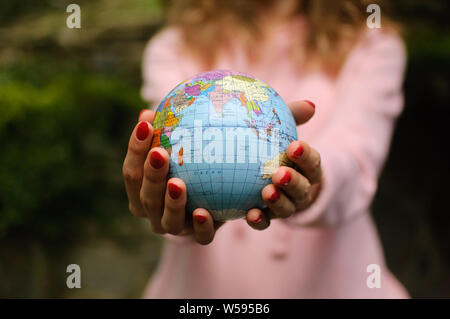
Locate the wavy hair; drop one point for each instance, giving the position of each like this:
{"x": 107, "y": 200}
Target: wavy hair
{"x": 332, "y": 26}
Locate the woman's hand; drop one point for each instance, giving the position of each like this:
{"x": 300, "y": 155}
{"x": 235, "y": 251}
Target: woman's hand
{"x": 291, "y": 190}
{"x": 152, "y": 196}
{"x": 163, "y": 201}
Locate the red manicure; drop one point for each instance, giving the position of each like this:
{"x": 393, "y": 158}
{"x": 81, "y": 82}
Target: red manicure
{"x": 298, "y": 152}
{"x": 142, "y": 131}
{"x": 156, "y": 160}
{"x": 200, "y": 219}
{"x": 174, "y": 190}
{"x": 285, "y": 179}
{"x": 275, "y": 196}
{"x": 310, "y": 103}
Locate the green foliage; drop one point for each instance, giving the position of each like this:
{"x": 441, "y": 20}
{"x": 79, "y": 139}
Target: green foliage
{"x": 63, "y": 134}
{"x": 9, "y": 10}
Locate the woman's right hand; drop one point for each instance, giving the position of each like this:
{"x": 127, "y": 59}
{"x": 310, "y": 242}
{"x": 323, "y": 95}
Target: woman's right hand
{"x": 152, "y": 196}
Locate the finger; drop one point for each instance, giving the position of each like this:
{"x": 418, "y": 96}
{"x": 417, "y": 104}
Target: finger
{"x": 302, "y": 111}
{"x": 203, "y": 226}
{"x": 307, "y": 159}
{"x": 174, "y": 206}
{"x": 147, "y": 115}
{"x": 294, "y": 184}
{"x": 153, "y": 188}
{"x": 257, "y": 219}
{"x": 218, "y": 224}
{"x": 133, "y": 165}
{"x": 280, "y": 205}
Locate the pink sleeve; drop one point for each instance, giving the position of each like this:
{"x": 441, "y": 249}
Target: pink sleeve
{"x": 163, "y": 66}
{"x": 354, "y": 145}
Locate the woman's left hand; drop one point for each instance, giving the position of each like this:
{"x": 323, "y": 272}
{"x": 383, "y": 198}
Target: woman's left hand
{"x": 291, "y": 190}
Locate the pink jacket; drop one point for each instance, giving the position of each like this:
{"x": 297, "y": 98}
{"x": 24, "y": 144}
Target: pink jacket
{"x": 324, "y": 251}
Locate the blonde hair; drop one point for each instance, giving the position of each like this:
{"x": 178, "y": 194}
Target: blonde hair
{"x": 332, "y": 26}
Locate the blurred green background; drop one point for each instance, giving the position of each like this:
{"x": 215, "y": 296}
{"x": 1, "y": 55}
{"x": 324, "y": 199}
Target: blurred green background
{"x": 70, "y": 97}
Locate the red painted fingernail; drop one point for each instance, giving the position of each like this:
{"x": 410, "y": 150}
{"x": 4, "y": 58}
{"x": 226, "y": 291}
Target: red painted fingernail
{"x": 142, "y": 131}
{"x": 275, "y": 196}
{"x": 156, "y": 160}
{"x": 140, "y": 113}
{"x": 174, "y": 190}
{"x": 298, "y": 152}
{"x": 200, "y": 219}
{"x": 285, "y": 179}
{"x": 257, "y": 220}
{"x": 311, "y": 103}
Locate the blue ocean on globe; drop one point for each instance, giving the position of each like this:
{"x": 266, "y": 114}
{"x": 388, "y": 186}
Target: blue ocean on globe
{"x": 226, "y": 133}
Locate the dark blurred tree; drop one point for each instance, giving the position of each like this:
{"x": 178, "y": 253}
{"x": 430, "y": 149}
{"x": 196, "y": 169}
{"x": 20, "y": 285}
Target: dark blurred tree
{"x": 62, "y": 136}
{"x": 11, "y": 10}
{"x": 410, "y": 207}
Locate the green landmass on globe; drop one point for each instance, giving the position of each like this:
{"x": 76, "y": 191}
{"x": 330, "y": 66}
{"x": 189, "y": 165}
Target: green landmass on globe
{"x": 226, "y": 133}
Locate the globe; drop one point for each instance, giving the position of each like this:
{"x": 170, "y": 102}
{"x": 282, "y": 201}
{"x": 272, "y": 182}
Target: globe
{"x": 226, "y": 132}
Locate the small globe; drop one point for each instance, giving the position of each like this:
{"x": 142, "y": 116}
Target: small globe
{"x": 226, "y": 133}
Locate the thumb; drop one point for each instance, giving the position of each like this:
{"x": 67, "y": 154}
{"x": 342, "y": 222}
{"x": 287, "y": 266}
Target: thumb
{"x": 302, "y": 111}
{"x": 147, "y": 115}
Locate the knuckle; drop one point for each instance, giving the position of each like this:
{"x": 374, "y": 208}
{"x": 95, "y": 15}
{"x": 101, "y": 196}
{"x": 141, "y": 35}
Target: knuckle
{"x": 303, "y": 202}
{"x": 176, "y": 208}
{"x": 131, "y": 175}
{"x": 134, "y": 148}
{"x": 147, "y": 203}
{"x": 304, "y": 191}
{"x": 152, "y": 176}
{"x": 316, "y": 163}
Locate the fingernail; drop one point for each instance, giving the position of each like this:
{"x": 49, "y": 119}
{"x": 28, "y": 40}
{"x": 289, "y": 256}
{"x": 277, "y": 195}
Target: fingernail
{"x": 200, "y": 219}
{"x": 174, "y": 190}
{"x": 142, "y": 131}
{"x": 275, "y": 196}
{"x": 285, "y": 179}
{"x": 140, "y": 113}
{"x": 310, "y": 103}
{"x": 257, "y": 220}
{"x": 156, "y": 160}
{"x": 298, "y": 152}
